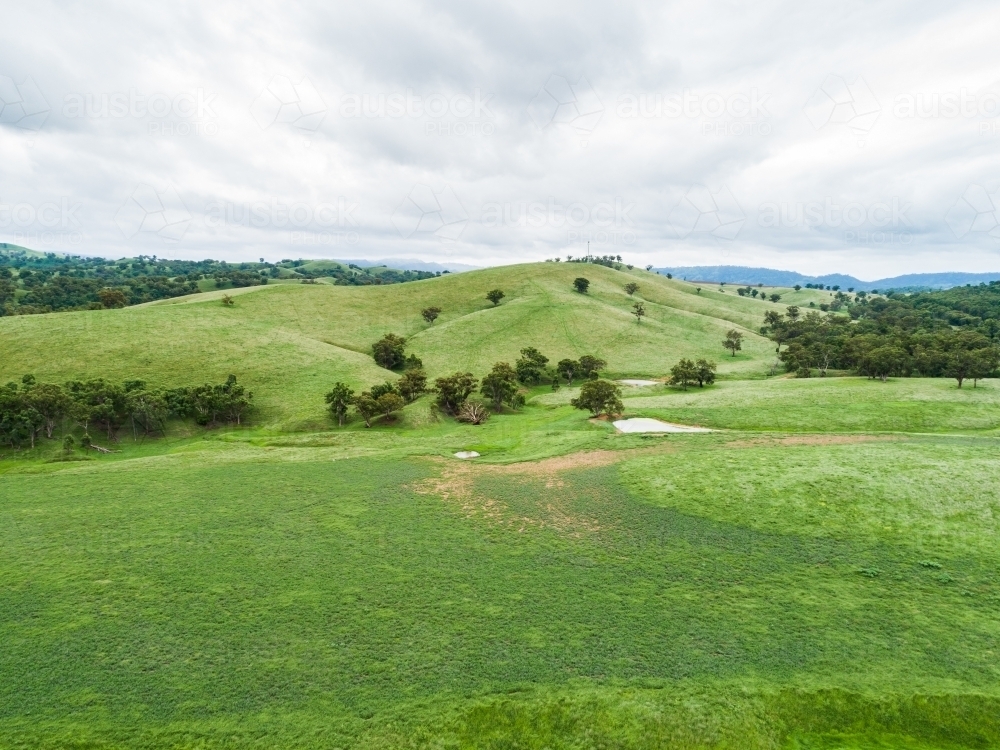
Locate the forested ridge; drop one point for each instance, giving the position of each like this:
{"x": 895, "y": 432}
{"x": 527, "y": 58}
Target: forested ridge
{"x": 32, "y": 283}
{"x": 949, "y": 333}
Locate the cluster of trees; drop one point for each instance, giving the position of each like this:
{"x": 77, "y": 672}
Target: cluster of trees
{"x": 686, "y": 373}
{"x": 883, "y": 338}
{"x": 237, "y": 278}
{"x": 501, "y": 387}
{"x": 390, "y": 352}
{"x": 531, "y": 368}
{"x": 749, "y": 291}
{"x": 30, "y": 409}
{"x": 355, "y": 275}
{"x": 609, "y": 261}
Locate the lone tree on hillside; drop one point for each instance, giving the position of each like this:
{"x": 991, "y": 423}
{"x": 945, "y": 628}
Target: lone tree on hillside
{"x": 340, "y": 399}
{"x": 734, "y": 341}
{"x": 388, "y": 351}
{"x": 430, "y": 314}
{"x": 590, "y": 365}
{"x": 775, "y": 297}
{"x": 453, "y": 390}
{"x": 631, "y": 288}
{"x": 684, "y": 373}
{"x": 581, "y": 284}
{"x": 568, "y": 368}
{"x": 600, "y": 397}
{"x": 227, "y": 301}
{"x": 495, "y": 295}
{"x": 638, "y": 310}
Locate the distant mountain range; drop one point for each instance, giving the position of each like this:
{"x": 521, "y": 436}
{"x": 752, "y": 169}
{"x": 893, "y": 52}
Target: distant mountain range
{"x": 773, "y": 277}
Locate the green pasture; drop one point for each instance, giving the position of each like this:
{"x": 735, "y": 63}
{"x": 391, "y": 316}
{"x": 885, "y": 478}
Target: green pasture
{"x": 239, "y": 595}
{"x": 820, "y": 571}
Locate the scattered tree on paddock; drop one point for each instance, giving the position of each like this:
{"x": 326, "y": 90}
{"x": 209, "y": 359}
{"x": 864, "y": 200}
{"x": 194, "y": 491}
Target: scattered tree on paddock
{"x": 500, "y": 385}
{"x": 453, "y": 390}
{"x": 568, "y": 368}
{"x": 388, "y": 403}
{"x": 339, "y": 400}
{"x": 367, "y": 407}
{"x": 591, "y": 365}
{"x": 495, "y": 295}
{"x": 733, "y": 341}
{"x": 412, "y": 384}
{"x": 704, "y": 372}
{"x": 600, "y": 397}
{"x": 683, "y": 374}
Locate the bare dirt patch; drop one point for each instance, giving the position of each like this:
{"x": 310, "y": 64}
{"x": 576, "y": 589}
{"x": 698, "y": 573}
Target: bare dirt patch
{"x": 456, "y": 484}
{"x": 807, "y": 440}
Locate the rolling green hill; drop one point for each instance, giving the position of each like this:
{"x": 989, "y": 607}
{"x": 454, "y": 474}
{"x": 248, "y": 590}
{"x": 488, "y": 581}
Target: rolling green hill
{"x": 290, "y": 342}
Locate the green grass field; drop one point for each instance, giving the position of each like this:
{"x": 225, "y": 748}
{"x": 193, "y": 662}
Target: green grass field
{"x": 819, "y": 572}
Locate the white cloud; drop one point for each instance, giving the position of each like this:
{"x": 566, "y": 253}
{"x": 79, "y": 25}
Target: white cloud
{"x": 248, "y": 121}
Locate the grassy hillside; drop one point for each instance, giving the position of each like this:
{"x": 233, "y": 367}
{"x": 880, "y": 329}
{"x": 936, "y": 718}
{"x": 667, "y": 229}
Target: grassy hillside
{"x": 290, "y": 342}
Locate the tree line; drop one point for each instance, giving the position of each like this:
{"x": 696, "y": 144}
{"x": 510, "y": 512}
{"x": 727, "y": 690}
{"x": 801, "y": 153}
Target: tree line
{"x": 880, "y": 339}
{"x": 31, "y": 410}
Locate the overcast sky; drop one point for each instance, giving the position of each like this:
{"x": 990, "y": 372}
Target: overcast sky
{"x": 852, "y": 137}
